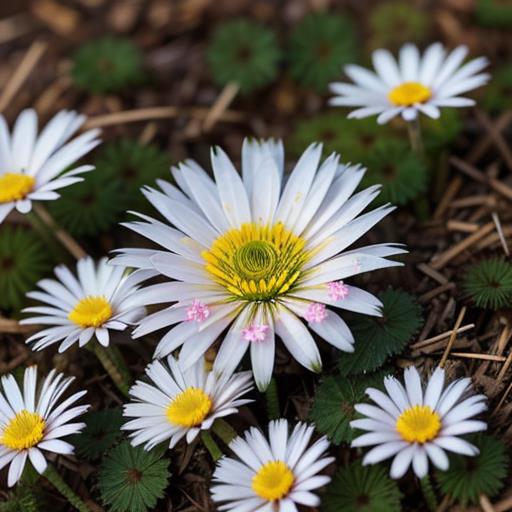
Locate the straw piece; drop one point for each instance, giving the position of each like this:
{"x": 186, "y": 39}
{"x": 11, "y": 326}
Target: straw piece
{"x": 28, "y": 63}
{"x": 452, "y": 337}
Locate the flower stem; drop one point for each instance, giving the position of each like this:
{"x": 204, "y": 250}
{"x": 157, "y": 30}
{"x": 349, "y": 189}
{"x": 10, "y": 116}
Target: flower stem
{"x": 114, "y": 365}
{"x": 272, "y": 399}
{"x": 61, "y": 234}
{"x": 211, "y": 445}
{"x": 58, "y": 482}
{"x": 414, "y": 129}
{"x": 224, "y": 430}
{"x": 428, "y": 493}
{"x": 119, "y": 361}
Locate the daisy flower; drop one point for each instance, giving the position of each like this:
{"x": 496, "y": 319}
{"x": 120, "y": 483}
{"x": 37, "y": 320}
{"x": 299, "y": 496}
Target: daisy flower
{"x": 273, "y": 475}
{"x": 413, "y": 425}
{"x": 32, "y": 166}
{"x": 258, "y": 255}
{"x": 32, "y": 422}
{"x": 416, "y": 83}
{"x": 78, "y": 308}
{"x": 181, "y": 402}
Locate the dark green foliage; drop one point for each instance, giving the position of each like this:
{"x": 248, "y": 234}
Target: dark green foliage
{"x": 113, "y": 187}
{"x": 392, "y": 23}
{"x": 133, "y": 165}
{"x": 133, "y": 479}
{"x": 440, "y": 133}
{"x": 498, "y": 93}
{"x": 333, "y": 408}
{"x": 378, "y": 338}
{"x": 469, "y": 477}
{"x": 357, "y": 488}
{"x": 489, "y": 283}
{"x": 22, "y": 499}
{"x": 320, "y": 45}
{"x": 244, "y": 52}
{"x": 26, "y": 496}
{"x": 103, "y": 430}
{"x": 353, "y": 139}
{"x": 401, "y": 172}
{"x": 23, "y": 262}
{"x": 91, "y": 206}
{"x": 105, "y": 65}
{"x": 494, "y": 13}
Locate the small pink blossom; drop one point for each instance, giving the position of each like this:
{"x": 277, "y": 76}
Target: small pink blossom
{"x": 255, "y": 332}
{"x": 315, "y": 313}
{"x": 338, "y": 290}
{"x": 198, "y": 311}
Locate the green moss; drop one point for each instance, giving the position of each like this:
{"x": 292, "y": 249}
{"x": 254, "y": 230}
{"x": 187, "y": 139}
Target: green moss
{"x": 110, "y": 64}
{"x": 392, "y": 23}
{"x": 23, "y": 261}
{"x": 494, "y": 13}
{"x": 320, "y": 45}
{"x": 244, "y": 52}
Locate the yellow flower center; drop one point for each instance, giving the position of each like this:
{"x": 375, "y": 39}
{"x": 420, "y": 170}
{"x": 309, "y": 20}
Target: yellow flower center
{"x": 273, "y": 480}
{"x": 24, "y": 431}
{"x": 257, "y": 262}
{"x": 15, "y": 186}
{"x": 189, "y": 408}
{"x": 409, "y": 93}
{"x": 92, "y": 311}
{"x": 418, "y": 424}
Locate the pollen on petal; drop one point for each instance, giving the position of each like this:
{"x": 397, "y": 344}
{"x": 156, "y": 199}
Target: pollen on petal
{"x": 338, "y": 290}
{"x": 315, "y": 313}
{"x": 198, "y": 311}
{"x": 255, "y": 332}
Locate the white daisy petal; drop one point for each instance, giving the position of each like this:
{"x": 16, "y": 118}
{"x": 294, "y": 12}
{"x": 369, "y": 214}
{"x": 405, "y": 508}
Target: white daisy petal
{"x": 411, "y": 424}
{"x": 241, "y": 484}
{"x": 28, "y": 429}
{"x": 164, "y": 408}
{"x": 84, "y": 305}
{"x": 402, "y": 461}
{"x": 240, "y": 246}
{"x": 416, "y": 84}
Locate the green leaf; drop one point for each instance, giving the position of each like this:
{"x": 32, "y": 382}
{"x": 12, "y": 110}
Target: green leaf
{"x": 244, "y": 52}
{"x": 132, "y": 479}
{"x": 494, "y": 13}
{"x": 102, "y": 431}
{"x": 378, "y": 338}
{"x": 90, "y": 207}
{"x": 23, "y": 261}
{"x": 133, "y": 165}
{"x": 357, "y": 488}
{"x": 497, "y": 97}
{"x": 320, "y": 45}
{"x": 353, "y": 140}
{"x": 402, "y": 174}
{"x": 393, "y": 22}
{"x": 333, "y": 406}
{"x": 489, "y": 283}
{"x": 469, "y": 477}
{"x": 109, "y": 64}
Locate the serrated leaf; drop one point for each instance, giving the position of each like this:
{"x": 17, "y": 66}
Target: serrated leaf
{"x": 469, "y": 477}
{"x": 23, "y": 261}
{"x": 132, "y": 479}
{"x": 244, "y": 52}
{"x": 102, "y": 431}
{"x": 320, "y": 45}
{"x": 333, "y": 406}
{"x": 358, "y": 488}
{"x": 489, "y": 283}
{"x": 378, "y": 338}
